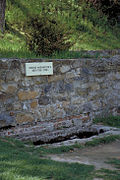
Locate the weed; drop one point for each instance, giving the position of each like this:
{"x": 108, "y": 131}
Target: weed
{"x": 108, "y": 120}
{"x": 115, "y": 162}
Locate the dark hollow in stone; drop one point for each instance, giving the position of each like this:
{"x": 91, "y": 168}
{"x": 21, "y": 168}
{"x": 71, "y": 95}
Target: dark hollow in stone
{"x": 15, "y": 64}
{"x": 7, "y": 127}
{"x": 6, "y": 118}
{"x": 44, "y": 100}
{"x": 80, "y": 135}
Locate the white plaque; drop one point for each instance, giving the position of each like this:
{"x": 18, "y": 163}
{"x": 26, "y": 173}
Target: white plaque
{"x": 36, "y": 69}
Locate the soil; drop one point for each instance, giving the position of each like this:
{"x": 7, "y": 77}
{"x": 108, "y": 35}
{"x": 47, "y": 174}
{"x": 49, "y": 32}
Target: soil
{"x": 96, "y": 156}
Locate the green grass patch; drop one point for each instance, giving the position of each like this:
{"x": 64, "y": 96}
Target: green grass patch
{"x": 17, "y": 163}
{"x": 110, "y": 174}
{"x": 104, "y": 140}
{"x": 108, "y": 121}
{"x": 107, "y": 174}
{"x": 21, "y": 162}
{"x": 91, "y": 31}
{"x": 13, "y": 46}
{"x": 115, "y": 162}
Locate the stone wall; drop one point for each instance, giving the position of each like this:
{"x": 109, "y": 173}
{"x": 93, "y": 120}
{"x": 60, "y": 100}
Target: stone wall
{"x": 49, "y": 107}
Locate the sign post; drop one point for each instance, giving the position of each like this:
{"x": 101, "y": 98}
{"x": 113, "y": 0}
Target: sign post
{"x": 36, "y": 69}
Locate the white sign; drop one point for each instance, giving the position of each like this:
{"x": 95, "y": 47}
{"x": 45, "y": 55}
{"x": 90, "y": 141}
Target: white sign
{"x": 36, "y": 69}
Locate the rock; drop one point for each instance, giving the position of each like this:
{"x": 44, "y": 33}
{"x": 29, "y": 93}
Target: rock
{"x": 13, "y": 75}
{"x": 64, "y": 68}
{"x": 22, "y": 118}
{"x": 44, "y": 100}
{"x": 26, "y": 95}
{"x": 15, "y": 64}
{"x": 6, "y": 120}
{"x": 34, "y": 104}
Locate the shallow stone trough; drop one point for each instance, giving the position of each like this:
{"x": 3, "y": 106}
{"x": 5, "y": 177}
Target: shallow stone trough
{"x": 86, "y": 135}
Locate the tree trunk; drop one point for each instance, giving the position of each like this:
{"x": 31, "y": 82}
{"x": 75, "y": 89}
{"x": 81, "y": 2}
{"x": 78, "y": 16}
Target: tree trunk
{"x": 2, "y": 15}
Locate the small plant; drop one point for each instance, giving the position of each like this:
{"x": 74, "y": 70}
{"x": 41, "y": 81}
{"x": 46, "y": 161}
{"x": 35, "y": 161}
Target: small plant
{"x": 46, "y": 36}
{"x": 115, "y": 162}
{"x": 108, "y": 120}
{"x": 104, "y": 140}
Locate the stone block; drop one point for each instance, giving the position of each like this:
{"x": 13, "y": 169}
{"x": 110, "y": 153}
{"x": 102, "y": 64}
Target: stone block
{"x": 94, "y": 86}
{"x": 59, "y": 87}
{"x": 78, "y": 100}
{"x": 86, "y": 71}
{"x": 11, "y": 89}
{"x": 48, "y": 88}
{"x": 17, "y": 106}
{"x": 68, "y": 87}
{"x": 9, "y": 107}
{"x": 56, "y": 78}
{"x": 44, "y": 100}
{"x": 40, "y": 80}
{"x": 4, "y": 65}
{"x": 1, "y": 81}
{"x": 22, "y": 66}
{"x": 64, "y": 68}
{"x": 34, "y": 104}
{"x": 24, "y": 118}
{"x": 70, "y": 75}
{"x": 6, "y": 120}
{"x": 4, "y": 97}
{"x": 81, "y": 92}
{"x": 117, "y": 86}
{"x": 77, "y": 63}
{"x": 13, "y": 75}
{"x": 8, "y": 88}
{"x": 27, "y": 95}
{"x": 58, "y": 113}
{"x": 15, "y": 64}
{"x": 77, "y": 122}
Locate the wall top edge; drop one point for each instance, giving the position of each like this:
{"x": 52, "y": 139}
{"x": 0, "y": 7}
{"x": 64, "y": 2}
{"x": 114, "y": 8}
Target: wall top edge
{"x": 112, "y": 58}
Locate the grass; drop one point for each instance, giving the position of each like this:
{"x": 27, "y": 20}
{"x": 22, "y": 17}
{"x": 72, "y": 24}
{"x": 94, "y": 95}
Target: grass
{"x": 18, "y": 163}
{"x": 110, "y": 120}
{"x": 13, "y": 46}
{"x": 115, "y": 162}
{"x": 21, "y": 162}
{"x": 110, "y": 174}
{"x": 104, "y": 140}
{"x": 90, "y": 33}
{"x": 107, "y": 174}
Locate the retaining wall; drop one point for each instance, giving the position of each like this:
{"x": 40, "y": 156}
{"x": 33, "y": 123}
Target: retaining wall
{"x": 48, "y": 107}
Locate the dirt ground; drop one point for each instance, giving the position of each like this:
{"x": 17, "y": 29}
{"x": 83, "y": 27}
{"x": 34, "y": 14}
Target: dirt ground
{"x": 96, "y": 156}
